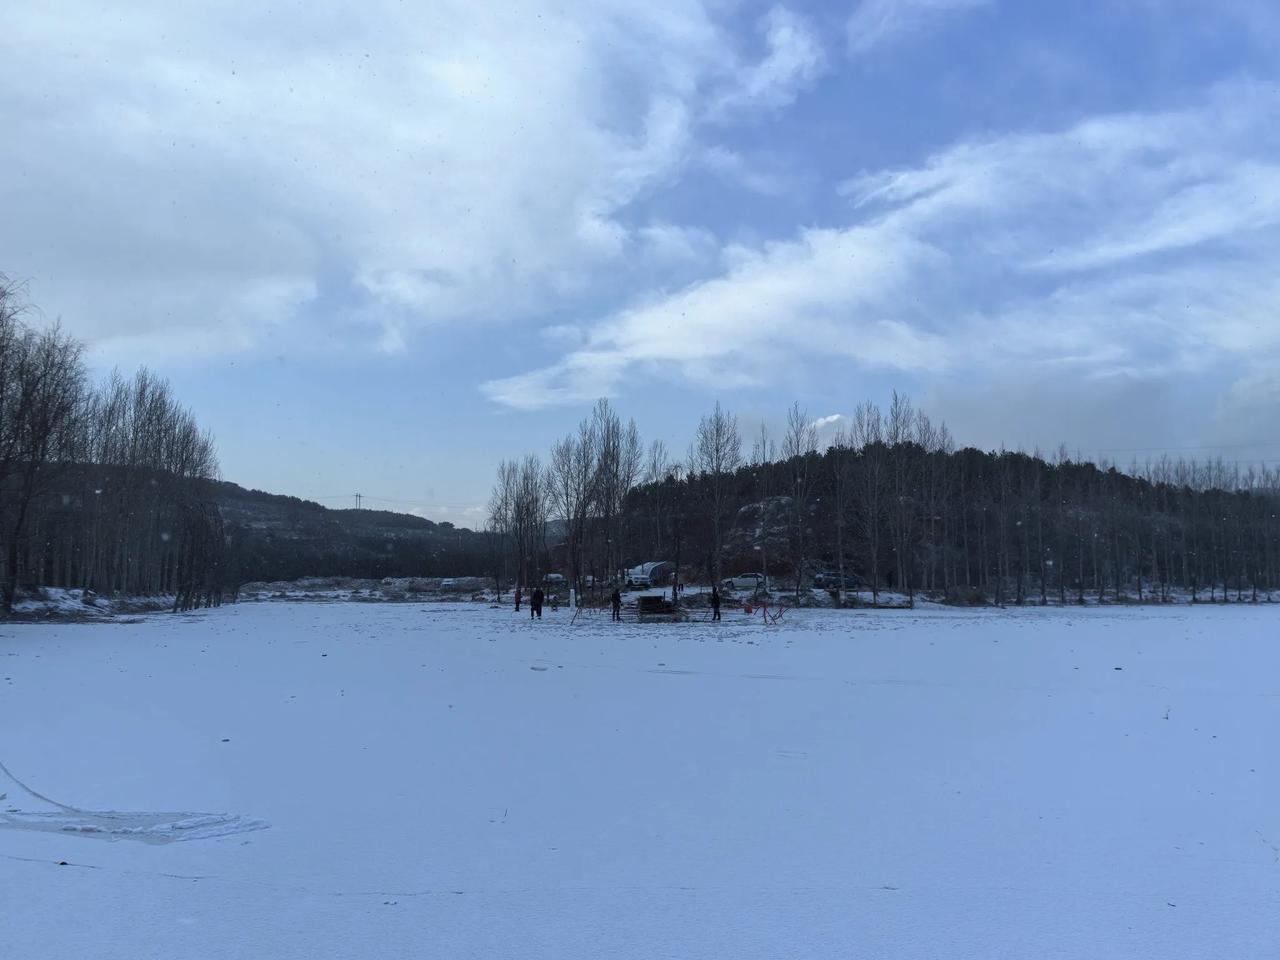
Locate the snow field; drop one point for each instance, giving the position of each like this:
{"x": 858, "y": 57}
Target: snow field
{"x": 456, "y": 781}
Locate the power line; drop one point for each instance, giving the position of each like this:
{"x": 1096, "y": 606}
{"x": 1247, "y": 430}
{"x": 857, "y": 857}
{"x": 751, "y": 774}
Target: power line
{"x": 362, "y": 497}
{"x": 420, "y": 503}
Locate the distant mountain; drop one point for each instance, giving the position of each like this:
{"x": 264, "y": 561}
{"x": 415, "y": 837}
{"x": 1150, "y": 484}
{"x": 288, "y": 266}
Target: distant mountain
{"x": 276, "y": 537}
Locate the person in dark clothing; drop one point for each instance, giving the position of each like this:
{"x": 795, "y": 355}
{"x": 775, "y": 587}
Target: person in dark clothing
{"x": 715, "y": 603}
{"x": 535, "y": 605}
{"x": 517, "y": 599}
{"x": 616, "y": 600}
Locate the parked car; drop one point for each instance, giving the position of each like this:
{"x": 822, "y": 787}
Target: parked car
{"x": 744, "y": 581}
{"x": 448, "y": 583}
{"x": 554, "y": 579}
{"x": 653, "y": 573}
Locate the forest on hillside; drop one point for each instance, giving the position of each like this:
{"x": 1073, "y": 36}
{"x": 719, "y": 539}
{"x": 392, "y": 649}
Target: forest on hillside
{"x": 271, "y": 537}
{"x": 113, "y": 488}
{"x": 890, "y": 502}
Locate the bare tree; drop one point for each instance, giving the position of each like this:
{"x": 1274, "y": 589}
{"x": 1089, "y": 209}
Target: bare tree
{"x": 630, "y": 466}
{"x": 903, "y": 464}
{"x": 42, "y": 423}
{"x": 572, "y": 477}
{"x": 529, "y": 518}
{"x": 658, "y": 468}
{"x": 763, "y": 454}
{"x": 716, "y": 455}
{"x": 107, "y": 489}
{"x": 841, "y": 459}
{"x": 868, "y": 435}
{"x": 798, "y": 447}
{"x": 617, "y": 464}
{"x": 502, "y": 502}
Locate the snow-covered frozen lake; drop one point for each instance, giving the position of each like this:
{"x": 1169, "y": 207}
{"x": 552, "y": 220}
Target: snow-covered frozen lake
{"x": 455, "y": 781}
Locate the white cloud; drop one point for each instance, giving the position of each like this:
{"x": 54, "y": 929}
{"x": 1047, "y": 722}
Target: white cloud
{"x": 1200, "y": 209}
{"x": 563, "y": 334}
{"x": 673, "y": 245}
{"x": 827, "y": 291}
{"x": 580, "y": 378}
{"x": 417, "y": 164}
{"x": 794, "y": 59}
{"x": 829, "y": 427}
{"x": 1133, "y": 245}
{"x": 876, "y": 23}
{"x": 732, "y": 166}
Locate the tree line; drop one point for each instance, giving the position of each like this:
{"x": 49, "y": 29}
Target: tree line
{"x": 887, "y": 503}
{"x": 105, "y": 487}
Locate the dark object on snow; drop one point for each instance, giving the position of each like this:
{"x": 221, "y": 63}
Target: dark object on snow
{"x": 715, "y": 603}
{"x": 651, "y": 609}
{"x": 535, "y": 604}
{"x": 517, "y": 599}
{"x": 616, "y": 600}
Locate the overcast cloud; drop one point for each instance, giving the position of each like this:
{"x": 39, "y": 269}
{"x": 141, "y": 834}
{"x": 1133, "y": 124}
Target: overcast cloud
{"x": 494, "y": 214}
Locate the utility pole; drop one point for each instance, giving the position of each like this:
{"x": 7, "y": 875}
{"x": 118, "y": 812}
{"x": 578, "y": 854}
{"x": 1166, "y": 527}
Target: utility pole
{"x": 358, "y": 501}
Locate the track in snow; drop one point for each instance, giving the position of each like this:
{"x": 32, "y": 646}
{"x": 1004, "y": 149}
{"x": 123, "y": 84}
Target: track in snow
{"x": 159, "y": 827}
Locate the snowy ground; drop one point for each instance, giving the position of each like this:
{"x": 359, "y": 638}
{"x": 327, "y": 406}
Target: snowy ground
{"x": 364, "y": 781}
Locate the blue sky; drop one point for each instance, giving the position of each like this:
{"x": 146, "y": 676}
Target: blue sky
{"x": 376, "y": 251}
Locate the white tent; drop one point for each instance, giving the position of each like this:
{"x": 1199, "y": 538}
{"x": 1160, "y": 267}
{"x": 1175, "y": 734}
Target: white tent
{"x": 655, "y": 573}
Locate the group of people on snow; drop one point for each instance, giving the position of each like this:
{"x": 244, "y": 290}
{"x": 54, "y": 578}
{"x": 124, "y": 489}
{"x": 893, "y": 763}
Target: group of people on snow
{"x": 535, "y": 602}
{"x": 615, "y": 602}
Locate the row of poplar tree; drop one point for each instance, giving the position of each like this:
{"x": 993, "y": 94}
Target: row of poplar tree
{"x": 888, "y": 502}
{"x": 105, "y": 487}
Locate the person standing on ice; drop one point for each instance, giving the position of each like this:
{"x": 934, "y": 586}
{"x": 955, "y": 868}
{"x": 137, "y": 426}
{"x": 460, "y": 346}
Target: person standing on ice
{"x": 517, "y": 599}
{"x": 535, "y": 604}
{"x": 616, "y": 600}
{"x": 715, "y": 603}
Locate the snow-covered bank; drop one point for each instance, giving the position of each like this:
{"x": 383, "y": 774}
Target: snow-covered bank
{"x": 458, "y": 781}
{"x": 59, "y": 603}
{"x": 389, "y": 589}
